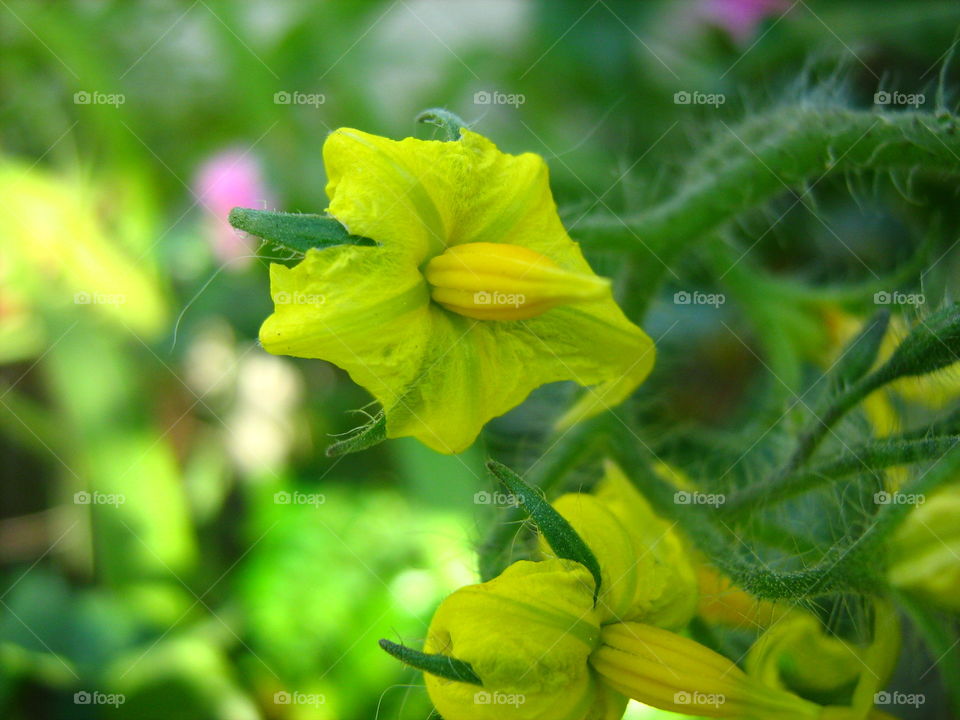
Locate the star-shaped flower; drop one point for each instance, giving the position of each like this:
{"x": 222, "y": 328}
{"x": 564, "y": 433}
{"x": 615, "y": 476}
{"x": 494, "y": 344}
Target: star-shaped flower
{"x": 472, "y": 296}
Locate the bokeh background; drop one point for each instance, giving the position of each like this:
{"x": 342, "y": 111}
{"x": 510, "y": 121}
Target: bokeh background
{"x": 169, "y": 526}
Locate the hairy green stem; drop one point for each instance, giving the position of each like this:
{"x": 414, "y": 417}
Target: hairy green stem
{"x": 769, "y": 153}
{"x": 869, "y": 457}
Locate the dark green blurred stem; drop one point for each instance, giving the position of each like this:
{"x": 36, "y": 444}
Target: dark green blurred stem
{"x": 870, "y": 457}
{"x": 754, "y": 161}
{"x": 564, "y": 454}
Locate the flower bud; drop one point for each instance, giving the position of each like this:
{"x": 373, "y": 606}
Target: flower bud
{"x": 498, "y": 281}
{"x": 645, "y": 568}
{"x": 925, "y": 550}
{"x": 671, "y": 672}
{"x": 799, "y": 655}
{"x": 527, "y": 635}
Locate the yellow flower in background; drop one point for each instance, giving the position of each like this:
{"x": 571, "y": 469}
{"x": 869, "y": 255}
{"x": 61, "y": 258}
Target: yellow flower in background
{"x": 645, "y": 568}
{"x": 58, "y": 251}
{"x": 925, "y": 550}
{"x": 721, "y": 602}
{"x": 473, "y": 296}
{"x": 798, "y": 654}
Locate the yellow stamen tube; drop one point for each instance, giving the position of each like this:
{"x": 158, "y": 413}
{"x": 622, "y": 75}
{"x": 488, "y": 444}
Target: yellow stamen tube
{"x": 671, "y": 672}
{"x": 498, "y": 281}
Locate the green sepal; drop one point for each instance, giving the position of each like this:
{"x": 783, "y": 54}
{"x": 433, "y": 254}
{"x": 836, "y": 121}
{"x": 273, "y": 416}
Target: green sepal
{"x": 932, "y": 344}
{"x": 373, "y": 433}
{"x": 294, "y": 231}
{"x": 440, "y": 665}
{"x": 559, "y": 534}
{"x": 447, "y": 121}
{"x": 861, "y": 353}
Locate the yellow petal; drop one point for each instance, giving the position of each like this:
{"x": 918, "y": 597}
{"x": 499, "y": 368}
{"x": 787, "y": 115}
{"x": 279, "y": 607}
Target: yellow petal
{"x": 527, "y": 634}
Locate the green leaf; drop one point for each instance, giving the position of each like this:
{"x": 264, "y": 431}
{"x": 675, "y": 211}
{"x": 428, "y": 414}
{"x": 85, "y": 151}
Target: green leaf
{"x": 294, "y": 231}
{"x": 558, "y": 533}
{"x": 439, "y": 665}
{"x": 369, "y": 435}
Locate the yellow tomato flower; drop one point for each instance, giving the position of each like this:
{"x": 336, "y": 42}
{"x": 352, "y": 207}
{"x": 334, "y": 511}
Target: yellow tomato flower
{"x": 671, "y": 672}
{"x": 527, "y": 635}
{"x": 925, "y": 550}
{"x": 797, "y": 654}
{"x": 473, "y": 296}
{"x": 542, "y": 651}
{"x": 645, "y": 569}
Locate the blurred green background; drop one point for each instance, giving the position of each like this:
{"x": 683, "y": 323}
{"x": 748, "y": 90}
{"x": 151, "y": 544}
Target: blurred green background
{"x": 170, "y": 529}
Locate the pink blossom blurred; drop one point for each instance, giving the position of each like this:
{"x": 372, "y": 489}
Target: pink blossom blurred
{"x": 740, "y": 18}
{"x": 229, "y": 179}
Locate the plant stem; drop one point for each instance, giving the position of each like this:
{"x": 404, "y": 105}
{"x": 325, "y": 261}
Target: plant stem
{"x": 752, "y": 162}
{"x": 869, "y": 457}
